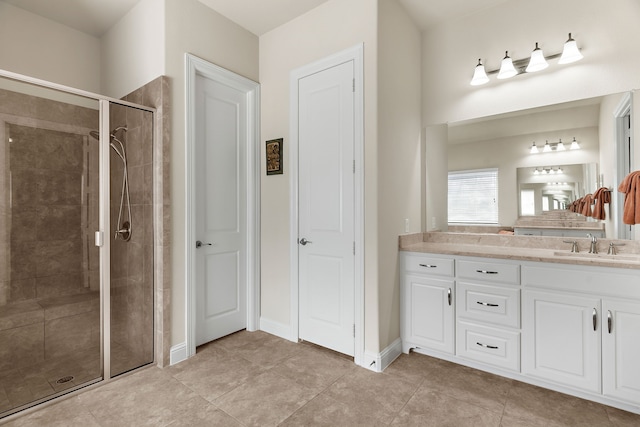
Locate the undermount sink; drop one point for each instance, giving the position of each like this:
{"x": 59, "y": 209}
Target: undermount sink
{"x": 587, "y": 255}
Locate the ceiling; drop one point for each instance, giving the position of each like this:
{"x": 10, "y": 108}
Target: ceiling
{"x": 95, "y": 17}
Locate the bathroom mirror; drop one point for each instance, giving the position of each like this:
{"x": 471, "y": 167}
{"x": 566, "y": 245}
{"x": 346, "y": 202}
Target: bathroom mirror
{"x": 504, "y": 142}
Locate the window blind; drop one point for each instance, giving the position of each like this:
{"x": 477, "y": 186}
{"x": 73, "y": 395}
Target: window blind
{"x": 473, "y": 196}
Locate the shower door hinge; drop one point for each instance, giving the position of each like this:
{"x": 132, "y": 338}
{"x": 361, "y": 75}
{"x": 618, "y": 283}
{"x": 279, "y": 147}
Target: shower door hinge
{"x": 99, "y": 239}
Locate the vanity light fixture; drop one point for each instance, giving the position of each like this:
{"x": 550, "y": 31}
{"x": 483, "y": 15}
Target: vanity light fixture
{"x": 507, "y": 69}
{"x": 534, "y": 148}
{"x": 554, "y": 146}
{"x": 536, "y": 172}
{"x": 536, "y": 62}
{"x": 479, "y": 75}
{"x": 570, "y": 52}
{"x": 574, "y": 144}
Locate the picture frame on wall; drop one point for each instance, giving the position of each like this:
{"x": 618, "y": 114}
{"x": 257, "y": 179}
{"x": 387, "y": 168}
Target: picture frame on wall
{"x": 274, "y": 156}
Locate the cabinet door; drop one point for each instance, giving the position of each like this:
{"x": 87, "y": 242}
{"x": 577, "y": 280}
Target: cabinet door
{"x": 621, "y": 350}
{"x": 428, "y": 313}
{"x": 561, "y": 338}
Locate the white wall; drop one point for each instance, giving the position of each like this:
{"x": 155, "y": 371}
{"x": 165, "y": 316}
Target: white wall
{"x": 399, "y": 171}
{"x": 193, "y": 27}
{"x": 333, "y": 26}
{"x": 436, "y": 173}
{"x": 38, "y": 47}
{"x": 607, "y": 32}
{"x": 133, "y": 50}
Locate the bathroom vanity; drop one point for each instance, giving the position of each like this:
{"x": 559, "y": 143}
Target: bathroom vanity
{"x": 526, "y": 308}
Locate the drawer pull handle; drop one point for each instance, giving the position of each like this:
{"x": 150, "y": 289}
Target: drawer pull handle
{"x": 449, "y": 296}
{"x": 609, "y": 321}
{"x": 595, "y": 319}
{"x": 428, "y": 265}
{"x": 486, "y": 272}
{"x": 492, "y": 347}
{"x": 487, "y": 304}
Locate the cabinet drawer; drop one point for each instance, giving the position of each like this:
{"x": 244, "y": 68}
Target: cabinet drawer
{"x": 494, "y": 272}
{"x": 426, "y": 264}
{"x": 494, "y": 304}
{"x": 488, "y": 345}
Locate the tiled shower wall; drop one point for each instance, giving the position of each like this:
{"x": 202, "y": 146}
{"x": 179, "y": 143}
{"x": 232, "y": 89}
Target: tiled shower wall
{"x": 156, "y": 94}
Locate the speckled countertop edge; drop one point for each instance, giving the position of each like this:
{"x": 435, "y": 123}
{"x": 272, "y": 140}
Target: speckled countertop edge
{"x": 523, "y": 248}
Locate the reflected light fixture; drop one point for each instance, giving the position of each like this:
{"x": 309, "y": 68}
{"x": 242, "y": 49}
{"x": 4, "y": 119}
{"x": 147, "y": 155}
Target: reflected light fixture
{"x": 536, "y": 172}
{"x": 479, "y": 75}
{"x": 570, "y": 52}
{"x": 534, "y": 149}
{"x": 574, "y": 144}
{"x": 537, "y": 61}
{"x": 507, "y": 69}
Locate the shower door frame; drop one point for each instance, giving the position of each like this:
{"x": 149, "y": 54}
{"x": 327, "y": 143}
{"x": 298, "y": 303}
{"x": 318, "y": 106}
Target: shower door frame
{"x": 102, "y": 236}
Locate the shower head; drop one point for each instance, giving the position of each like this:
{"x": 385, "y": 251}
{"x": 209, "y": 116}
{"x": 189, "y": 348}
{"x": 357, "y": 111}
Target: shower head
{"x": 96, "y": 134}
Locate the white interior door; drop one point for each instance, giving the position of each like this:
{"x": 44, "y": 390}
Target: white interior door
{"x": 326, "y": 208}
{"x": 220, "y": 209}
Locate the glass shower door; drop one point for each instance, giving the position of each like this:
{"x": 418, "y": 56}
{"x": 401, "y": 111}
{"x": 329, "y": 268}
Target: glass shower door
{"x": 50, "y": 331}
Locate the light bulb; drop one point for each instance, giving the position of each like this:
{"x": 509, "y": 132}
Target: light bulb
{"x": 574, "y": 144}
{"x": 537, "y": 61}
{"x": 547, "y": 147}
{"x": 479, "y": 75}
{"x": 570, "y": 52}
{"x": 534, "y": 148}
{"x": 560, "y": 146}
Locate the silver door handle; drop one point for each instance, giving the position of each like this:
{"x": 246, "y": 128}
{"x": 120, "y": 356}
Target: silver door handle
{"x": 609, "y": 321}
{"x": 199, "y": 244}
{"x": 304, "y": 241}
{"x": 488, "y": 304}
{"x": 486, "y": 272}
{"x": 449, "y": 296}
{"x": 492, "y": 347}
{"x": 595, "y": 319}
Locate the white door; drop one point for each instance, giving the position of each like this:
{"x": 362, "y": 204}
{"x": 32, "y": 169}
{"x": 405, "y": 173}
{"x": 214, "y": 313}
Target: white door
{"x": 621, "y": 350}
{"x": 221, "y": 218}
{"x": 561, "y": 338}
{"x": 326, "y": 208}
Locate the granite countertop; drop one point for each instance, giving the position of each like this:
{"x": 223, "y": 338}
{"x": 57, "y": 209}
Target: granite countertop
{"x": 523, "y": 248}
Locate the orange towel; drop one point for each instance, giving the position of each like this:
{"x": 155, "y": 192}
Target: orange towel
{"x": 586, "y": 207}
{"x": 601, "y": 196}
{"x": 630, "y": 186}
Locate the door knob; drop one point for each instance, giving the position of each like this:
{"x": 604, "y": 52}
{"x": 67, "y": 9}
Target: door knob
{"x": 304, "y": 241}
{"x": 200, "y": 244}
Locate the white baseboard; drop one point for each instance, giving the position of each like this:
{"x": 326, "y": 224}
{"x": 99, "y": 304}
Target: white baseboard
{"x": 178, "y": 353}
{"x": 378, "y": 362}
{"x": 276, "y": 328}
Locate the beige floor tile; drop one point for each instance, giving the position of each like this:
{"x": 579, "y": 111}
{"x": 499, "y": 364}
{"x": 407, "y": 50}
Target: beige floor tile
{"x": 214, "y": 373}
{"x": 265, "y": 400}
{"x": 325, "y": 411}
{"x": 67, "y": 413}
{"x": 470, "y": 385}
{"x": 312, "y": 368}
{"x": 542, "y": 407}
{"x": 430, "y": 408}
{"x": 380, "y": 396}
{"x": 150, "y": 397}
{"x": 205, "y": 415}
{"x": 620, "y": 418}
{"x": 414, "y": 367}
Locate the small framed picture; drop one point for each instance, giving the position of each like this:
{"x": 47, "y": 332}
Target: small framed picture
{"x": 274, "y": 157}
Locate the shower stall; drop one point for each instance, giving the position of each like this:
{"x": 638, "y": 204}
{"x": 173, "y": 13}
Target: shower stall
{"x": 76, "y": 240}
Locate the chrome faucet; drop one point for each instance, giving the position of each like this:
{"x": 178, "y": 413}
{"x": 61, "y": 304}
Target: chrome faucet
{"x": 593, "y": 249}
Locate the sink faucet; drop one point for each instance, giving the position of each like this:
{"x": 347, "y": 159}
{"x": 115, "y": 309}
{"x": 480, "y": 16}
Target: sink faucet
{"x": 593, "y": 249}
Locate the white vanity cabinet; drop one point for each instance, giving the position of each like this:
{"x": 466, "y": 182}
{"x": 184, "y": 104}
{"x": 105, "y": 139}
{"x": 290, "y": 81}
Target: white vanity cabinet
{"x": 427, "y": 287}
{"x": 488, "y": 312}
{"x": 571, "y": 328}
{"x": 581, "y": 328}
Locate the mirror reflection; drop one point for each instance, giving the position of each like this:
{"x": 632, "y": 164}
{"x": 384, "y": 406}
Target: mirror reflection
{"x": 505, "y": 142}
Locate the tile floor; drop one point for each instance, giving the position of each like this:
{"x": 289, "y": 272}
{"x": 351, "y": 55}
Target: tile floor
{"x": 256, "y": 379}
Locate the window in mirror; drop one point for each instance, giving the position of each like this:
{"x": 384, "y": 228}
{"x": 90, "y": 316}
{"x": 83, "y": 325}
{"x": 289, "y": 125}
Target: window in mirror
{"x": 473, "y": 196}
{"x": 527, "y": 202}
